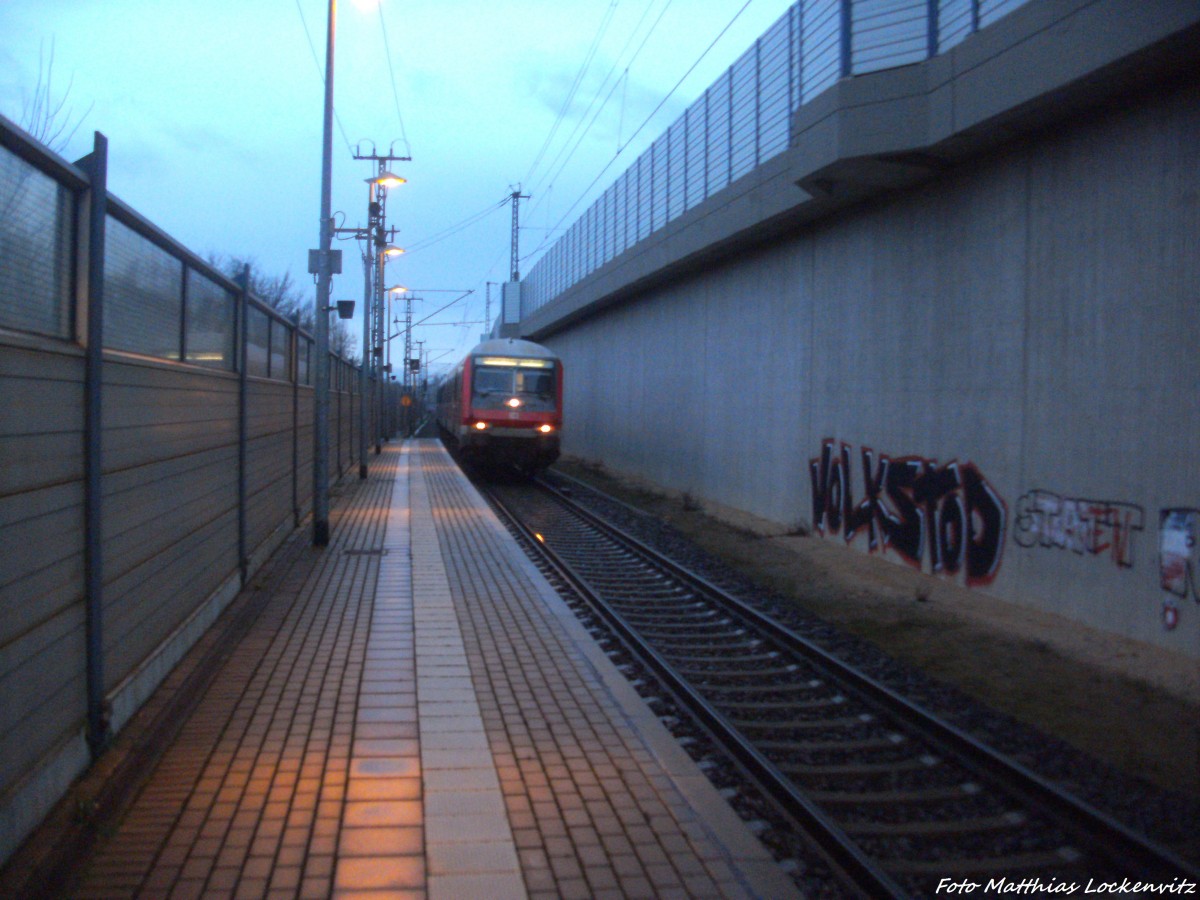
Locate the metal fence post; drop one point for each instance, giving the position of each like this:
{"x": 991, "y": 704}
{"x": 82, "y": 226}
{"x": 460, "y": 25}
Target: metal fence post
{"x": 847, "y": 43}
{"x": 183, "y": 310}
{"x": 758, "y": 102}
{"x": 687, "y": 146}
{"x": 338, "y": 430}
{"x": 243, "y": 396}
{"x": 296, "y": 422}
{"x": 653, "y": 154}
{"x": 795, "y": 61}
{"x": 931, "y": 20}
{"x": 98, "y": 731}
{"x": 729, "y": 131}
{"x": 667, "y": 176}
{"x": 706, "y": 143}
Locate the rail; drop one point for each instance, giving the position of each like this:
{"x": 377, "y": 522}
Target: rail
{"x": 739, "y": 671}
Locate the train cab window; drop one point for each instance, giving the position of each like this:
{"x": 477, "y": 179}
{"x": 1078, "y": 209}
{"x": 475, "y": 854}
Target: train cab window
{"x": 540, "y": 383}
{"x": 493, "y": 381}
{"x": 499, "y": 379}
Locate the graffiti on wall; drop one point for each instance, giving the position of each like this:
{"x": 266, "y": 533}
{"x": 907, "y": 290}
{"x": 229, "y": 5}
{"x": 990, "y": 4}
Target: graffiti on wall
{"x": 1178, "y": 552}
{"x": 948, "y": 516}
{"x": 1178, "y": 559}
{"x": 1092, "y": 527}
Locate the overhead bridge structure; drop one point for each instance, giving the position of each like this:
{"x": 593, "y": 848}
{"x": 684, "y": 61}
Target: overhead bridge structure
{"x": 933, "y": 300}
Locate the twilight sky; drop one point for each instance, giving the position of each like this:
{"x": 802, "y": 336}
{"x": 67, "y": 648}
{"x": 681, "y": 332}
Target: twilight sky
{"x": 213, "y": 114}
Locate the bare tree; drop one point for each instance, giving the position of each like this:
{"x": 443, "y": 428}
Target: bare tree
{"x": 285, "y": 296}
{"x": 46, "y": 116}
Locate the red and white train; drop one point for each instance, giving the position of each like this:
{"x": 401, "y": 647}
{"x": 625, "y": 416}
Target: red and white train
{"x": 501, "y": 407}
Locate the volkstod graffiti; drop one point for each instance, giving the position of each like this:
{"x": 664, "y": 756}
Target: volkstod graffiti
{"x": 948, "y": 515}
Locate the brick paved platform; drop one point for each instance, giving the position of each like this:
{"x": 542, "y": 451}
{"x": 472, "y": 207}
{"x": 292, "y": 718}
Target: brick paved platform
{"x": 413, "y": 712}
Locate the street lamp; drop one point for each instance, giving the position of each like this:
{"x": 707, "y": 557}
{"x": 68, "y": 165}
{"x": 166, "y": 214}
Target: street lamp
{"x": 387, "y": 180}
{"x": 324, "y": 270}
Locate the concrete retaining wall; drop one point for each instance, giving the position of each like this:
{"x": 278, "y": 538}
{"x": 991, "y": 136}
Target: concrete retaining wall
{"x": 991, "y": 375}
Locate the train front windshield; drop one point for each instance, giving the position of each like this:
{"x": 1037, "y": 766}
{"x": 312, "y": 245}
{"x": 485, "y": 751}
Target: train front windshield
{"x": 500, "y": 380}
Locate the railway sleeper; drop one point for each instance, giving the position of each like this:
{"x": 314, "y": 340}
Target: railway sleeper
{"x": 1027, "y": 864}
{"x": 910, "y": 796}
{"x": 761, "y": 694}
{"x": 674, "y": 615}
{"x": 792, "y": 768}
{"x": 850, "y": 745}
{"x": 719, "y": 653}
{"x": 1002, "y": 822}
{"x": 793, "y": 724}
{"x": 681, "y": 648}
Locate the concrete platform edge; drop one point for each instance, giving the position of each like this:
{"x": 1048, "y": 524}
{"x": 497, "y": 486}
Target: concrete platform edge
{"x": 755, "y": 866}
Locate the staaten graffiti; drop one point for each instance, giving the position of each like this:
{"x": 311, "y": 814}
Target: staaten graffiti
{"x": 1092, "y": 527}
{"x": 1178, "y": 531}
{"x": 948, "y": 515}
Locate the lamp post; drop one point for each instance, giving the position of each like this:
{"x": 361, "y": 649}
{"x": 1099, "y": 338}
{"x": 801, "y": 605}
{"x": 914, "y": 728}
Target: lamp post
{"x": 325, "y": 263}
{"x": 386, "y": 252}
{"x": 376, "y": 236}
{"x": 323, "y": 266}
{"x": 393, "y": 292}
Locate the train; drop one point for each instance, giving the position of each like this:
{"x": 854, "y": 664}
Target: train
{"x": 501, "y": 407}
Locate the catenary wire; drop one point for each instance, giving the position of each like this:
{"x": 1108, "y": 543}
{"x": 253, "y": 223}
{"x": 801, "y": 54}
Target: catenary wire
{"x": 387, "y": 52}
{"x": 590, "y": 123}
{"x": 579, "y": 76}
{"x": 638, "y": 130}
{"x": 456, "y": 228}
{"x": 321, "y": 72}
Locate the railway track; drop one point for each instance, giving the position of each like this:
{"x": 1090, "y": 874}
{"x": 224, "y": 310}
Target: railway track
{"x": 901, "y": 803}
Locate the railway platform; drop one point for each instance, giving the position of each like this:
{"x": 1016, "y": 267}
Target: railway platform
{"x": 409, "y": 712}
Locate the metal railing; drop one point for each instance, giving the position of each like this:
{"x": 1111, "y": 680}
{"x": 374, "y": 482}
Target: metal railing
{"x": 744, "y": 119}
{"x": 162, "y": 300}
{"x": 155, "y": 446}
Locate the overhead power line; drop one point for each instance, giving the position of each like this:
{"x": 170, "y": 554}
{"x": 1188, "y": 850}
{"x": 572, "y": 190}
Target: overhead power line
{"x": 557, "y": 169}
{"x": 456, "y": 228}
{"x": 639, "y": 129}
{"x": 321, "y": 71}
{"x": 387, "y": 51}
{"x": 579, "y": 76}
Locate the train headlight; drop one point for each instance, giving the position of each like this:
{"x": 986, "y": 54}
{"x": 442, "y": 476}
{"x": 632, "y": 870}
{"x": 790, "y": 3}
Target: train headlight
{"x": 514, "y": 402}
{"x": 481, "y": 426}
{"x": 545, "y": 429}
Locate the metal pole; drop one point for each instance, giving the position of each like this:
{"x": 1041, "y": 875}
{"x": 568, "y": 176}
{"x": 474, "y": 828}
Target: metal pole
{"x": 363, "y": 386}
{"x": 295, "y": 376}
{"x": 324, "y": 276}
{"x": 96, "y": 165}
{"x": 846, "y": 50}
{"x": 243, "y": 408}
{"x": 380, "y": 323}
{"x": 934, "y": 28}
{"x": 377, "y": 349}
{"x": 387, "y": 359}
{"x": 408, "y": 299}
